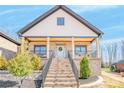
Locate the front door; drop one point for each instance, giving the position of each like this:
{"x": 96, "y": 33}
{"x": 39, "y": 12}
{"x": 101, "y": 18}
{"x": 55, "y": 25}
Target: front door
{"x": 61, "y": 51}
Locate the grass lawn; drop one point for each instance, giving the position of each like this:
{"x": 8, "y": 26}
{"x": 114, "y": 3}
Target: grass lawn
{"x": 106, "y": 69}
{"x": 110, "y": 83}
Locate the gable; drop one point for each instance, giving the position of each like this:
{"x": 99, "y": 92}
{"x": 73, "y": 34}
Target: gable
{"x": 48, "y": 26}
{"x": 4, "y": 36}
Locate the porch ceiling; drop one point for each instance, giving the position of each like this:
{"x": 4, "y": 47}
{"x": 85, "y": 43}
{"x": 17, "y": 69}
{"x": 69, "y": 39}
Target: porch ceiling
{"x": 61, "y": 39}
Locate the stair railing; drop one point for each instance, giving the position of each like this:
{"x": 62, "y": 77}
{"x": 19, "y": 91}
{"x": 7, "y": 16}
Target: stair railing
{"x": 46, "y": 68}
{"x": 74, "y": 68}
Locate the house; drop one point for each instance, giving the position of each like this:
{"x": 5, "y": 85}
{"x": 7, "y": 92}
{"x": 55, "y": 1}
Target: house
{"x": 62, "y": 30}
{"x": 8, "y": 46}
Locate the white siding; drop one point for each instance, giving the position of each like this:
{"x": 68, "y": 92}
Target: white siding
{"x": 48, "y": 27}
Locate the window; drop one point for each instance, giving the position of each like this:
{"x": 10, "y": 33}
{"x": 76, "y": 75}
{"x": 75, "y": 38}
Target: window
{"x": 80, "y": 50}
{"x": 60, "y": 21}
{"x": 40, "y": 50}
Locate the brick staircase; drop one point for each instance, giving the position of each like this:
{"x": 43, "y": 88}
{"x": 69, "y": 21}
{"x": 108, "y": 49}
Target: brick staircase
{"x": 60, "y": 74}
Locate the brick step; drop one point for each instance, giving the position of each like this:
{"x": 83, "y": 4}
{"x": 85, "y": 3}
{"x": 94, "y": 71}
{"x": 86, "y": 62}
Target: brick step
{"x": 66, "y": 65}
{"x": 60, "y": 80}
{"x": 60, "y": 85}
{"x": 60, "y": 66}
{"x": 66, "y": 75}
{"x": 60, "y": 76}
{"x": 50, "y": 78}
{"x": 59, "y": 70}
{"x": 62, "y": 70}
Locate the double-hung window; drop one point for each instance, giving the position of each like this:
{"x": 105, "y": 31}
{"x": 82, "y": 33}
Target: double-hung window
{"x": 60, "y": 21}
{"x": 80, "y": 50}
{"x": 40, "y": 50}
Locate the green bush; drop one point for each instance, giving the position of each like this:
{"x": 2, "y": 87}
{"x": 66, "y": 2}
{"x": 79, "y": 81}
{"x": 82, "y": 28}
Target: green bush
{"x": 3, "y": 63}
{"x": 20, "y": 65}
{"x": 36, "y": 62}
{"x": 113, "y": 68}
{"x": 85, "y": 71}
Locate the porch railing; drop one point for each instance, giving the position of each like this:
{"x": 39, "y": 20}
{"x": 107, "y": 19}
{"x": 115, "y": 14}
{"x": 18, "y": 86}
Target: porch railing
{"x": 46, "y": 68}
{"x": 74, "y": 69}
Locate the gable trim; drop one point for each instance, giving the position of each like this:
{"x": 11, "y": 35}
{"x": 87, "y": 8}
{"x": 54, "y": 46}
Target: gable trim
{"x": 8, "y": 38}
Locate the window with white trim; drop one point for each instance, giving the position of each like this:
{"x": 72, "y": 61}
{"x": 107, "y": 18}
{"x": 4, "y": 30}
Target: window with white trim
{"x": 80, "y": 49}
{"x": 40, "y": 50}
{"x": 60, "y": 21}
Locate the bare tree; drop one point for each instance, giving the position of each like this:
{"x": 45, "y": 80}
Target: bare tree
{"x": 111, "y": 52}
{"x": 122, "y": 49}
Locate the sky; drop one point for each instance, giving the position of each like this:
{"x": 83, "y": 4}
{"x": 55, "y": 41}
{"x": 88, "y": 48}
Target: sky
{"x": 108, "y": 18}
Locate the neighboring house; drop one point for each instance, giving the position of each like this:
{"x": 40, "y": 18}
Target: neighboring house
{"x": 61, "y": 30}
{"x": 8, "y": 46}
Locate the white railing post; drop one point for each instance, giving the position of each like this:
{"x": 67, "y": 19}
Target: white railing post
{"x": 48, "y": 46}
{"x": 73, "y": 48}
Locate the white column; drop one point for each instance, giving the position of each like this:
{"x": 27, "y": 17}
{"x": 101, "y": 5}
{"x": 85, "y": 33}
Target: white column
{"x": 97, "y": 48}
{"x": 48, "y": 46}
{"x": 73, "y": 48}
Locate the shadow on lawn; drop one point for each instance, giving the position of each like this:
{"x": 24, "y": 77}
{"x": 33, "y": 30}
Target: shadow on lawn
{"x": 4, "y": 84}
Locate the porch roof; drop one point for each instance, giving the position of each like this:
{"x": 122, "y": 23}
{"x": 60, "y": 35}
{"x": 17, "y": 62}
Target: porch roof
{"x": 61, "y": 39}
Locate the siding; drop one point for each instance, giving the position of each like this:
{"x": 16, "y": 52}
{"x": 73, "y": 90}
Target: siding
{"x": 48, "y": 27}
{"x": 7, "y": 48}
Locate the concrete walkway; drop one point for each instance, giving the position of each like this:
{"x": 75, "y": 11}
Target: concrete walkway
{"x": 113, "y": 75}
{"x": 94, "y": 82}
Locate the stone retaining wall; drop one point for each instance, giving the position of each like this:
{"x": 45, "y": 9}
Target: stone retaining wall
{"x": 95, "y": 65}
{"x": 5, "y": 75}
{"x": 7, "y": 80}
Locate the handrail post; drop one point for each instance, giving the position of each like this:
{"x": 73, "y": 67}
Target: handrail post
{"x": 74, "y": 68}
{"x": 46, "y": 68}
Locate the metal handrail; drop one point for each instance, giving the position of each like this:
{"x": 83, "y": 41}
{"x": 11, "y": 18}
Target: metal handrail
{"x": 46, "y": 68}
{"x": 74, "y": 69}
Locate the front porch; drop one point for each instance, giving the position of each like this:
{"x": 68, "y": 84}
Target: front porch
{"x": 77, "y": 46}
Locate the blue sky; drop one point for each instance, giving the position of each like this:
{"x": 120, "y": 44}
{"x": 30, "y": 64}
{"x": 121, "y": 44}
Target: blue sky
{"x": 109, "y": 19}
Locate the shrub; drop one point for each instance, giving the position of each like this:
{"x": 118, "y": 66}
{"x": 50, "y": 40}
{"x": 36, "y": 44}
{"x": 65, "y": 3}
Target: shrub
{"x": 36, "y": 62}
{"x": 113, "y": 68}
{"x": 85, "y": 71}
{"x": 20, "y": 66}
{"x": 3, "y": 63}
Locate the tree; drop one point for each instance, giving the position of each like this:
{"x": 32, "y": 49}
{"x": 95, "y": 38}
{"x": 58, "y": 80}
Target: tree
{"x": 85, "y": 71}
{"x": 112, "y": 52}
{"x": 122, "y": 49}
{"x": 20, "y": 66}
